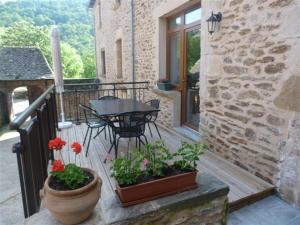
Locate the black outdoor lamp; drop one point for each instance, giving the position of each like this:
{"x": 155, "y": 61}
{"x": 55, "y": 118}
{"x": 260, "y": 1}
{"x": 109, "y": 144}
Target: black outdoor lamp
{"x": 212, "y": 22}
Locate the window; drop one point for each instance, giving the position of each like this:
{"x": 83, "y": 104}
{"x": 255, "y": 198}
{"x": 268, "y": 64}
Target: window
{"x": 99, "y": 15}
{"x": 103, "y": 66}
{"x": 179, "y": 26}
{"x": 119, "y": 58}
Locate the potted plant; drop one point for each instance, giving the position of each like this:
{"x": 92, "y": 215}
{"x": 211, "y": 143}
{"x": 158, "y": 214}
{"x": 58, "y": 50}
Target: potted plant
{"x": 150, "y": 174}
{"x": 70, "y": 192}
{"x": 164, "y": 84}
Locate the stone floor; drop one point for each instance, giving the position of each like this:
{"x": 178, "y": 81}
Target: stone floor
{"x": 269, "y": 211}
{"x": 11, "y": 209}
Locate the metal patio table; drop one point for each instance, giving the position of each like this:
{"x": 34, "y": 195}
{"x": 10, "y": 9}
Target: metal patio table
{"x": 114, "y": 107}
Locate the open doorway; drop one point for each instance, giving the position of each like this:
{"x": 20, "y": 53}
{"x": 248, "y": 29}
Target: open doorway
{"x": 19, "y": 101}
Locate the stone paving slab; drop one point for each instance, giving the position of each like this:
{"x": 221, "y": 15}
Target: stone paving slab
{"x": 11, "y": 208}
{"x": 269, "y": 211}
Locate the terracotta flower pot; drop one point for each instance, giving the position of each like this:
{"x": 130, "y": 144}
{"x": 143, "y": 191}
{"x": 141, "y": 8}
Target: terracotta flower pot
{"x": 150, "y": 190}
{"x": 74, "y": 206}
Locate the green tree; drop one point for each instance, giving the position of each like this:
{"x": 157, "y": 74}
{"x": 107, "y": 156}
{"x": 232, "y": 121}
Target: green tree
{"x": 74, "y": 20}
{"x": 72, "y": 63}
{"x": 89, "y": 64}
{"x": 24, "y": 33}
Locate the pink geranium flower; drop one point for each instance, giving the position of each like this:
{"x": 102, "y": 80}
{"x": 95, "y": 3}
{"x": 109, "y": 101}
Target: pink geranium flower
{"x": 146, "y": 162}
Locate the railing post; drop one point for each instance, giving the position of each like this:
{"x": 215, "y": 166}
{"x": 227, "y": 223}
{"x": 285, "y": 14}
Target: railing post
{"x": 18, "y": 149}
{"x": 77, "y": 108}
{"x": 114, "y": 89}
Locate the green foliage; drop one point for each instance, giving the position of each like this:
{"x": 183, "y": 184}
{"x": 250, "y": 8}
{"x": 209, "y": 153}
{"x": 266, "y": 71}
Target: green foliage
{"x": 189, "y": 154}
{"x": 126, "y": 171}
{"x": 72, "y": 63}
{"x": 73, "y": 19}
{"x": 153, "y": 162}
{"x": 24, "y": 33}
{"x": 89, "y": 64}
{"x": 72, "y": 177}
{"x": 156, "y": 156}
{"x": 193, "y": 53}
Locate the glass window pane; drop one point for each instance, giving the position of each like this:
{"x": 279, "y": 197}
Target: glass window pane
{"x": 193, "y": 16}
{"x": 192, "y": 71}
{"x": 175, "y": 22}
{"x": 175, "y": 58}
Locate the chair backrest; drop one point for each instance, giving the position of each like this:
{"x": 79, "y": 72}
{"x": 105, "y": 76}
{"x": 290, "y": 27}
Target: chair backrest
{"x": 108, "y": 97}
{"x": 132, "y": 123}
{"x": 87, "y": 110}
{"x": 155, "y": 104}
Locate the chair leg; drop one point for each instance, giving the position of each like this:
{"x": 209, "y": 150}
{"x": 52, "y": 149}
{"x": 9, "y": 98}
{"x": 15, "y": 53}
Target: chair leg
{"x": 87, "y": 149}
{"x": 109, "y": 134}
{"x": 86, "y": 134}
{"x": 111, "y": 147}
{"x": 141, "y": 141}
{"x": 157, "y": 130}
{"x": 136, "y": 142}
{"x": 104, "y": 132}
{"x": 145, "y": 139}
{"x": 99, "y": 132}
{"x": 150, "y": 129}
{"x": 117, "y": 148}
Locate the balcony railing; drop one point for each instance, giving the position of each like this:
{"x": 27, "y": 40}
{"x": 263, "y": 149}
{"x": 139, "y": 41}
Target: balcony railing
{"x": 83, "y": 92}
{"x": 38, "y": 124}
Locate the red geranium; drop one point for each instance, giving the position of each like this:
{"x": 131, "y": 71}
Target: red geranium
{"x": 76, "y": 147}
{"x": 57, "y": 166}
{"x": 56, "y": 144}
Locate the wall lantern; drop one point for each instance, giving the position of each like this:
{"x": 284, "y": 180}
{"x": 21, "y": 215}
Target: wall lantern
{"x": 213, "y": 21}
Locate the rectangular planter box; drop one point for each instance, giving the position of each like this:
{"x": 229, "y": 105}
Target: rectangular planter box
{"x": 164, "y": 86}
{"x": 147, "y": 191}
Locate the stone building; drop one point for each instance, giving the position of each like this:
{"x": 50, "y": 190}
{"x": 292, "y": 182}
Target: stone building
{"x": 21, "y": 67}
{"x": 249, "y": 74}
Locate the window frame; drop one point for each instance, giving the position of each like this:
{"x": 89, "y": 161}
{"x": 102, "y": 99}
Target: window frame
{"x": 181, "y": 29}
{"x": 103, "y": 62}
{"x": 119, "y": 58}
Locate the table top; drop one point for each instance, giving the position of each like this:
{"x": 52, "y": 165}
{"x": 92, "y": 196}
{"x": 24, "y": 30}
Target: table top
{"x": 119, "y": 106}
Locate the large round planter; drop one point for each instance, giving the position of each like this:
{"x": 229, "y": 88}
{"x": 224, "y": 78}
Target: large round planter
{"x": 72, "y": 207}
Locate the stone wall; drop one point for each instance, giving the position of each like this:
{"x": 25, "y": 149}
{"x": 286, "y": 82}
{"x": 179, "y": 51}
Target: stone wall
{"x": 250, "y": 87}
{"x": 212, "y": 212}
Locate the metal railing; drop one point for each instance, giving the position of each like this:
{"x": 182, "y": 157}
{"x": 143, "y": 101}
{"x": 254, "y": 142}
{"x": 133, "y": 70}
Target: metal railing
{"x": 76, "y": 94}
{"x": 38, "y": 124}
{"x": 32, "y": 151}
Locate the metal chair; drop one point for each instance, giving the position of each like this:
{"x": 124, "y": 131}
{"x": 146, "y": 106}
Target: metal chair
{"x": 130, "y": 125}
{"x": 92, "y": 124}
{"x": 107, "y": 97}
{"x": 153, "y": 116}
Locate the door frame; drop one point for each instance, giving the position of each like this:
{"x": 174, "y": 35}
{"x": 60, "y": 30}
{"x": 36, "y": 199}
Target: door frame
{"x": 182, "y": 29}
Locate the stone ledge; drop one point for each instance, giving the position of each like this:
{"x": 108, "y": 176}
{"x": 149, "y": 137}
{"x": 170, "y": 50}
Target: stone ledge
{"x": 210, "y": 195}
{"x": 168, "y": 94}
